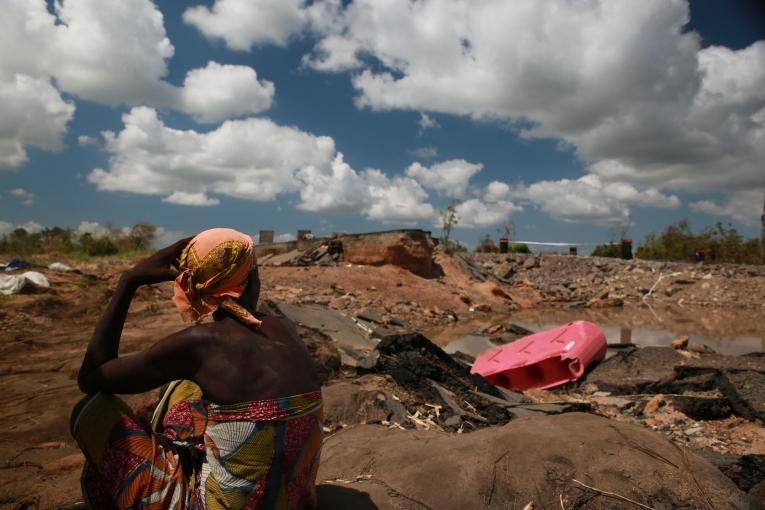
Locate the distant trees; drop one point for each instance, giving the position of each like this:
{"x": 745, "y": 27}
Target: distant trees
{"x": 21, "y": 243}
{"x": 720, "y": 243}
{"x": 607, "y": 250}
{"x": 518, "y": 248}
{"x": 449, "y": 220}
{"x": 486, "y": 245}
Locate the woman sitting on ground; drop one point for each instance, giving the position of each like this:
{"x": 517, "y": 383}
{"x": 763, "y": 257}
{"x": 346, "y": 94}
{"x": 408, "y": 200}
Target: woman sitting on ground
{"x": 239, "y": 425}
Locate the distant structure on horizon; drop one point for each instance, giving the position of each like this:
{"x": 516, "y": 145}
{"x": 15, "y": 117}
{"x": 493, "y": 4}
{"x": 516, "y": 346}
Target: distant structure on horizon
{"x": 266, "y": 236}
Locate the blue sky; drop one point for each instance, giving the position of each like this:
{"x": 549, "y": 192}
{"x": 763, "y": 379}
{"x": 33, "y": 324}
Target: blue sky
{"x": 577, "y": 121}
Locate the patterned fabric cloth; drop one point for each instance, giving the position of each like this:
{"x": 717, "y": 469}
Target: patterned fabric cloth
{"x": 214, "y": 268}
{"x": 201, "y": 455}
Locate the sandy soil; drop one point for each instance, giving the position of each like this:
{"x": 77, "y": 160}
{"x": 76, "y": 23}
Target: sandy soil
{"x": 43, "y": 336}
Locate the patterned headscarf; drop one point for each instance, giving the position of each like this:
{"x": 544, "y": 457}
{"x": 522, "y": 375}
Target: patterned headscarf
{"x": 214, "y": 268}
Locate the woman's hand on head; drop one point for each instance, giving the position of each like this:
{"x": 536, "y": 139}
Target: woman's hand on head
{"x": 159, "y": 267}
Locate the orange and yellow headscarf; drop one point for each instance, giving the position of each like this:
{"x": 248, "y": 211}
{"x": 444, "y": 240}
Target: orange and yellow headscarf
{"x": 214, "y": 268}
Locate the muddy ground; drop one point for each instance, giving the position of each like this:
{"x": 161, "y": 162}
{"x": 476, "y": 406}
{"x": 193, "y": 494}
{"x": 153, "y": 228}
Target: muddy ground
{"x": 43, "y": 335}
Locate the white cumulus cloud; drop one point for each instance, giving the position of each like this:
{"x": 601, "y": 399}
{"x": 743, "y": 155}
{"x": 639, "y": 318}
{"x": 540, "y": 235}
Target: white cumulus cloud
{"x": 32, "y": 112}
{"x": 475, "y": 213}
{"x": 30, "y": 227}
{"x": 428, "y": 152}
{"x": 622, "y": 83}
{"x": 427, "y": 122}
{"x": 93, "y": 228}
{"x": 243, "y": 24}
{"x": 87, "y": 140}
{"x": 496, "y": 191}
{"x": 253, "y": 159}
{"x": 450, "y": 178}
{"x": 397, "y": 200}
{"x": 590, "y": 200}
{"x": 744, "y": 206}
{"x": 183, "y": 198}
{"x": 217, "y": 92}
{"x": 25, "y": 196}
{"x": 113, "y": 53}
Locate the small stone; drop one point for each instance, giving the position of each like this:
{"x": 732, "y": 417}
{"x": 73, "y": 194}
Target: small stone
{"x": 453, "y": 421}
{"x": 589, "y": 388}
{"x": 692, "y": 431}
{"x": 602, "y": 394}
{"x": 680, "y": 342}
{"x": 493, "y": 329}
{"x": 701, "y": 349}
{"x": 653, "y": 405}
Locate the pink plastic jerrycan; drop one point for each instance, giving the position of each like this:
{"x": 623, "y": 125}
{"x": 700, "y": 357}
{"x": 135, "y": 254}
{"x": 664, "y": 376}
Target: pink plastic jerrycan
{"x": 544, "y": 359}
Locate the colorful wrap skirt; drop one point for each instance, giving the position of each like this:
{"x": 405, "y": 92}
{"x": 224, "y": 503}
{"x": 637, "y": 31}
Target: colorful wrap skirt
{"x": 200, "y": 455}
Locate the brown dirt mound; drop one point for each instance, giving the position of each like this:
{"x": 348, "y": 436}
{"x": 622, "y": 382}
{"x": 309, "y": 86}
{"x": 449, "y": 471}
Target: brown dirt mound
{"x": 529, "y": 460}
{"x": 411, "y": 250}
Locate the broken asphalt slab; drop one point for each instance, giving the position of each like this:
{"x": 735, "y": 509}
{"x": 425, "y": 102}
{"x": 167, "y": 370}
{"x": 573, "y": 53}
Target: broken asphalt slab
{"x": 740, "y": 379}
{"x": 339, "y": 327}
{"x": 635, "y": 371}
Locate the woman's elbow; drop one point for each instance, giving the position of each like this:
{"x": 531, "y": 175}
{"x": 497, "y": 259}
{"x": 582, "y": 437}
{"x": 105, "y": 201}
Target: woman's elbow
{"x": 87, "y": 383}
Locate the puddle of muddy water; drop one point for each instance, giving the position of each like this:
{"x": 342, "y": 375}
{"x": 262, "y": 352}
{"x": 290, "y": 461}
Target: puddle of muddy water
{"x": 726, "y": 331}
{"x": 731, "y": 332}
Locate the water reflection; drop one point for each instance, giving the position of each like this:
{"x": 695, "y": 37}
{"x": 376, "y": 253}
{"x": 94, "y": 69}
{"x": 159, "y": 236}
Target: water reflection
{"x": 727, "y": 332}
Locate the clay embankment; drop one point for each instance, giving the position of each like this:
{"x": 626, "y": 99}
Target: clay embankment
{"x": 683, "y": 409}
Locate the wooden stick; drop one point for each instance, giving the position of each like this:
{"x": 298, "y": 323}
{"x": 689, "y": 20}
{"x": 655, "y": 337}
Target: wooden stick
{"x": 613, "y": 495}
{"x": 562, "y": 506}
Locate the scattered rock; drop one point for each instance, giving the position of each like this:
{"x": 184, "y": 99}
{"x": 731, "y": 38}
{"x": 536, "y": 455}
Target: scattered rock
{"x": 635, "y": 370}
{"x": 346, "y": 403}
{"x": 757, "y": 493}
{"x": 701, "y": 349}
{"x": 371, "y": 316}
{"x": 746, "y": 392}
{"x": 701, "y": 408}
{"x": 424, "y": 370}
{"x": 654, "y": 405}
{"x": 746, "y": 471}
{"x": 339, "y": 327}
{"x": 680, "y": 342}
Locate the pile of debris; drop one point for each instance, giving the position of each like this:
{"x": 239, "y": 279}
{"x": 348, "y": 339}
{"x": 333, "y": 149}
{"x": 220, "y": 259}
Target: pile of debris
{"x": 408, "y": 249}
{"x": 600, "y": 282}
{"x": 402, "y": 380}
{"x": 710, "y": 403}
{"x": 327, "y": 254}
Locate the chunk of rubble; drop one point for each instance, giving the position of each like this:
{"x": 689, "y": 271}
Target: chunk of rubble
{"x": 746, "y": 392}
{"x": 740, "y": 379}
{"x": 634, "y": 371}
{"x": 338, "y": 326}
{"x": 433, "y": 378}
{"x": 746, "y": 471}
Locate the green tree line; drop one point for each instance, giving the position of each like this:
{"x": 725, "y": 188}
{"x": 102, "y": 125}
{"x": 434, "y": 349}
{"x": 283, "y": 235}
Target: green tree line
{"x": 21, "y": 243}
{"x": 677, "y": 242}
